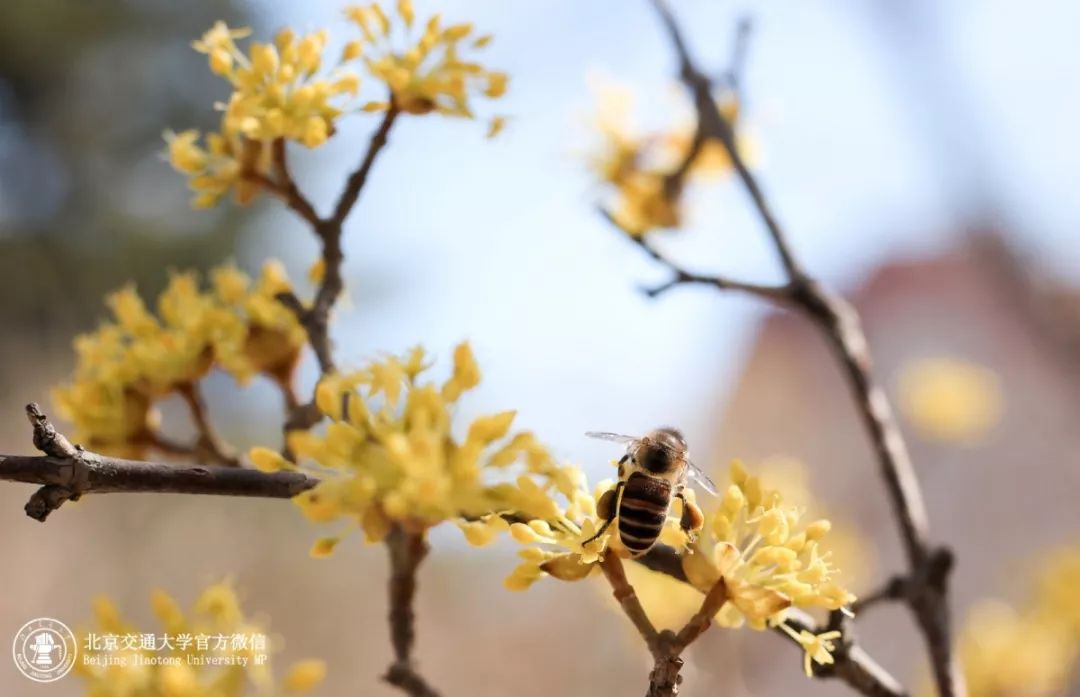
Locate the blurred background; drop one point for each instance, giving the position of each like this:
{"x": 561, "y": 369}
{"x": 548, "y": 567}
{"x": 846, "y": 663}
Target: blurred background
{"x": 922, "y": 156}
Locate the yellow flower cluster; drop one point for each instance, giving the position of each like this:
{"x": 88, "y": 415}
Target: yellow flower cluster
{"x": 950, "y": 400}
{"x": 280, "y": 93}
{"x": 426, "y": 74}
{"x": 129, "y": 363}
{"x": 1019, "y": 653}
{"x": 768, "y": 560}
{"x": 637, "y": 167}
{"x": 389, "y": 455}
{"x": 194, "y": 654}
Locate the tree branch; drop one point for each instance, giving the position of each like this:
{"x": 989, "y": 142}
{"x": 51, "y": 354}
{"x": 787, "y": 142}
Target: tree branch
{"x": 407, "y": 550}
{"x": 66, "y": 472}
{"x": 928, "y": 566}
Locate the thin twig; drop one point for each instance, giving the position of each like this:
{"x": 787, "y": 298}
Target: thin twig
{"x": 358, "y": 178}
{"x": 895, "y": 588}
{"x": 666, "y": 647}
{"x": 210, "y": 443}
{"x": 66, "y": 472}
{"x": 702, "y": 619}
{"x": 407, "y": 550}
{"x": 316, "y": 317}
{"x": 612, "y": 567}
{"x": 682, "y": 276}
{"x": 288, "y": 193}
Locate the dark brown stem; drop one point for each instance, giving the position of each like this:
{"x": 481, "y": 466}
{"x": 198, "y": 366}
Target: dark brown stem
{"x": 681, "y": 276}
{"x": 927, "y": 595}
{"x": 66, "y": 472}
{"x": 210, "y": 444}
{"x": 355, "y": 184}
{"x": 612, "y": 567}
{"x": 407, "y": 550}
{"x": 316, "y": 318}
{"x": 287, "y": 192}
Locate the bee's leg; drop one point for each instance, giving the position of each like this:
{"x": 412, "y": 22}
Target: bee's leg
{"x": 606, "y": 508}
{"x": 692, "y": 518}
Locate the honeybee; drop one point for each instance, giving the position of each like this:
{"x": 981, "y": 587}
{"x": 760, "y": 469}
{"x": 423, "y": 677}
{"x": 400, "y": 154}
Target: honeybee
{"x": 654, "y": 470}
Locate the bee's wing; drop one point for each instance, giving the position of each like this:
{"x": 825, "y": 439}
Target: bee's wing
{"x": 616, "y": 437}
{"x": 700, "y": 478}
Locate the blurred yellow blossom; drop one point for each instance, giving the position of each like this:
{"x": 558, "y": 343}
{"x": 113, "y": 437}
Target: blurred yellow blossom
{"x": 1009, "y": 654}
{"x": 281, "y": 93}
{"x": 1056, "y": 587}
{"x": 425, "y": 69}
{"x": 950, "y": 399}
{"x": 209, "y": 651}
{"x": 637, "y": 167}
{"x": 389, "y": 454}
{"x": 1030, "y": 651}
{"x": 304, "y": 676}
{"x": 139, "y": 357}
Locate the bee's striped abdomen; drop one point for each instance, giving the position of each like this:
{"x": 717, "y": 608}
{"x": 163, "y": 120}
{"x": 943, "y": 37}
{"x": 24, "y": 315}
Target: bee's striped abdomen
{"x": 642, "y": 511}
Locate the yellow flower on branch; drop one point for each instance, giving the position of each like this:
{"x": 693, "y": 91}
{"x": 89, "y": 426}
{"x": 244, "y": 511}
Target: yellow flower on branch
{"x": 139, "y": 357}
{"x": 426, "y": 70}
{"x": 389, "y": 455}
{"x": 638, "y": 169}
{"x": 282, "y": 93}
{"x": 769, "y": 559}
{"x": 212, "y": 650}
{"x": 279, "y": 92}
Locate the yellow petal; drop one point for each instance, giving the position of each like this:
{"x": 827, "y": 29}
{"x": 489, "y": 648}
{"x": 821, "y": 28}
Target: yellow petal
{"x": 567, "y": 567}
{"x": 324, "y": 547}
{"x": 305, "y": 675}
